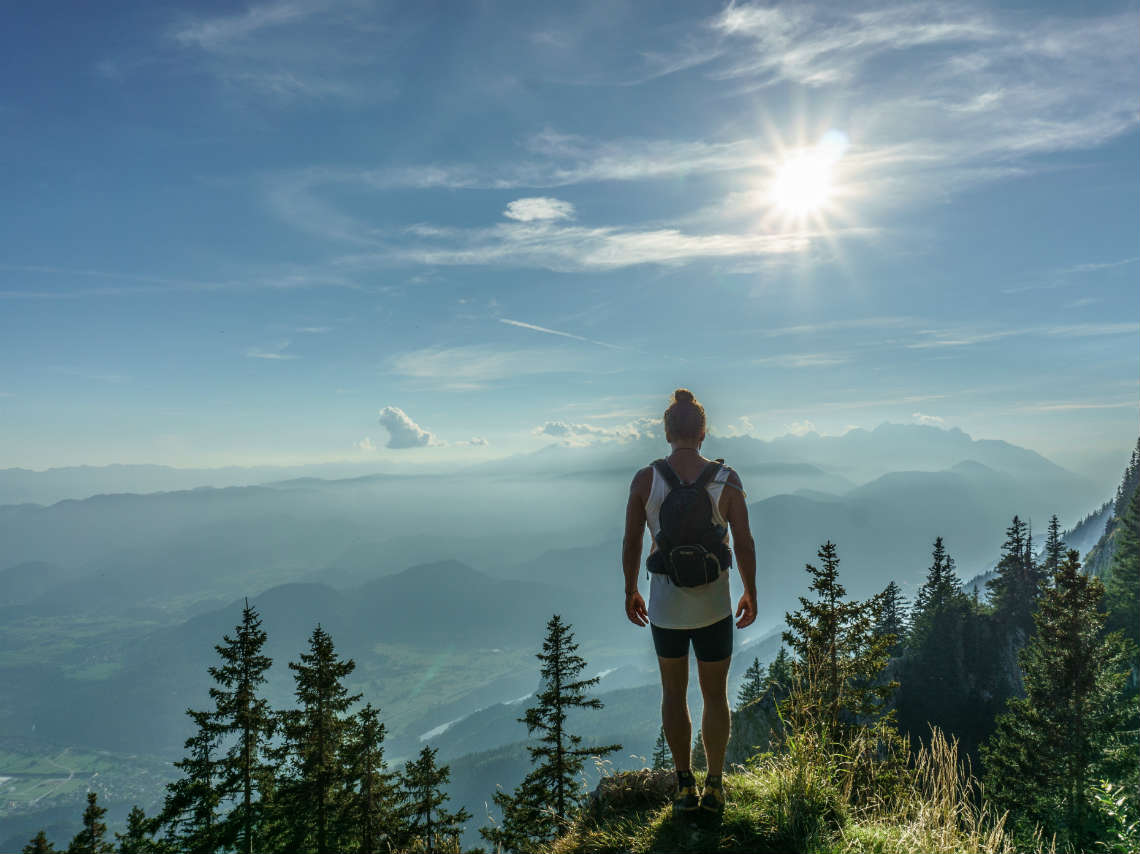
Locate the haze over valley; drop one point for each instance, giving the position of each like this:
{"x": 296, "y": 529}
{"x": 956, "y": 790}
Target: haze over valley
{"x": 438, "y": 585}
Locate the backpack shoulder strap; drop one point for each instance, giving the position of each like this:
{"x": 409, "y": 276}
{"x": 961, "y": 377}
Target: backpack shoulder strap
{"x": 666, "y": 471}
{"x": 709, "y": 472}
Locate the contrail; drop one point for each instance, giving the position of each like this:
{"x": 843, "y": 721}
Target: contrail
{"x": 522, "y": 325}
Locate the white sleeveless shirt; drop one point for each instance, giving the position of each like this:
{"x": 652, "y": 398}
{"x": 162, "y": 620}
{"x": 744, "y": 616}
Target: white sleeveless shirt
{"x": 673, "y": 607}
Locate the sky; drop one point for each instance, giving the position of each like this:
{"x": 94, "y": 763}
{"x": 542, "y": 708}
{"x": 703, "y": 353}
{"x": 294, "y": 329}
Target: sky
{"x": 305, "y": 230}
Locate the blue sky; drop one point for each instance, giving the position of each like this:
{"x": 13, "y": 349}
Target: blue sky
{"x": 297, "y": 231}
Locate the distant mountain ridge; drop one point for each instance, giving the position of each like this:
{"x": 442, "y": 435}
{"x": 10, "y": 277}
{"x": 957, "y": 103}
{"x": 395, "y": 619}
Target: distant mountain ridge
{"x": 857, "y": 455}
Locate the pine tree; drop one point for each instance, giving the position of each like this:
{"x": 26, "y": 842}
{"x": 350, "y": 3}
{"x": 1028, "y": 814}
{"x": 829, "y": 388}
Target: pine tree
{"x": 522, "y": 812}
{"x": 245, "y": 716}
{"x": 947, "y": 670}
{"x": 779, "y": 678}
{"x": 372, "y": 789}
{"x": 1052, "y": 743}
{"x": 39, "y": 845}
{"x": 941, "y": 588}
{"x": 91, "y": 839}
{"x": 752, "y": 689}
{"x": 1122, "y": 597}
{"x": 1054, "y": 549}
{"x": 661, "y": 757}
{"x": 137, "y": 839}
{"x": 422, "y": 783}
{"x": 891, "y": 619}
{"x": 311, "y": 795}
{"x": 836, "y": 652}
{"x": 1099, "y": 559}
{"x": 190, "y": 810}
{"x": 697, "y": 759}
{"x": 558, "y": 756}
{"x": 1015, "y": 588}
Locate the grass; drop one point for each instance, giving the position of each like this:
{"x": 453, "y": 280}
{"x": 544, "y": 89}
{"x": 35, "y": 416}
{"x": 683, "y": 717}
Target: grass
{"x": 798, "y": 801}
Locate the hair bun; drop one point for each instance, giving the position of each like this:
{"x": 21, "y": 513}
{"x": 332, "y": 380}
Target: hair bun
{"x": 683, "y": 395}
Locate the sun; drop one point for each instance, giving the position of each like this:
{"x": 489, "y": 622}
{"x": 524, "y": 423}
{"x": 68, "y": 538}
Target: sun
{"x": 803, "y": 184}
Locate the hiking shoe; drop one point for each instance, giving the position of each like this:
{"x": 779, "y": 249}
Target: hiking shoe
{"x": 685, "y": 800}
{"x": 712, "y": 799}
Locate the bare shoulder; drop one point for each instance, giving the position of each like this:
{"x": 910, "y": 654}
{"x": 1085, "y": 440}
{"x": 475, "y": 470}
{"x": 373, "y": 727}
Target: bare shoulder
{"x": 642, "y": 481}
{"x": 733, "y": 479}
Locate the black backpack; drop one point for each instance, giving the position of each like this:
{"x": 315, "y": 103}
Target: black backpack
{"x": 690, "y": 547}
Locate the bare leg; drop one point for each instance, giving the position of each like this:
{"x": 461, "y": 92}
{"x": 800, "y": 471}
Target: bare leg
{"x": 675, "y": 709}
{"x": 715, "y": 720}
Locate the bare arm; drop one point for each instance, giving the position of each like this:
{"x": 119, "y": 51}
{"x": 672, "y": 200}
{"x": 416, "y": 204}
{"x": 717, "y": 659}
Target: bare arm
{"x": 631, "y": 545}
{"x": 743, "y": 548}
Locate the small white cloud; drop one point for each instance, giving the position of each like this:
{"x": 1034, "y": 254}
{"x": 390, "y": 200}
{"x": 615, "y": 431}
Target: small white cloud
{"x": 539, "y": 208}
{"x": 403, "y": 432}
{"x": 587, "y": 434}
{"x": 366, "y": 444}
{"x": 270, "y": 352}
{"x": 930, "y": 420}
{"x": 800, "y": 428}
{"x": 314, "y": 330}
{"x": 475, "y": 442}
{"x": 742, "y": 426}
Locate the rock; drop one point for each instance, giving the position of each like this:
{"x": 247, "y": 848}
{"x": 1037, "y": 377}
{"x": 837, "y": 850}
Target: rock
{"x": 633, "y": 790}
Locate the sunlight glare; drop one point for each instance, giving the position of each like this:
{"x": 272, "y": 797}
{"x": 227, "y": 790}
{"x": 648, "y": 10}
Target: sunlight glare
{"x": 804, "y": 182}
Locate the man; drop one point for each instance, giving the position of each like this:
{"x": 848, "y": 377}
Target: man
{"x": 699, "y": 615}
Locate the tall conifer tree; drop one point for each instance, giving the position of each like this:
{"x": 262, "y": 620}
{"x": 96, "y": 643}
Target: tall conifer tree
{"x": 372, "y": 795}
{"x": 92, "y": 838}
{"x": 1015, "y": 588}
{"x": 752, "y": 688}
{"x": 244, "y": 716}
{"x": 1050, "y": 745}
{"x": 422, "y": 785}
{"x": 661, "y": 758}
{"x": 312, "y": 795}
{"x": 836, "y": 652}
{"x": 558, "y": 756}
{"x": 779, "y": 677}
{"x": 1054, "y": 549}
{"x": 39, "y": 844}
{"x": 891, "y": 617}
{"x": 137, "y": 837}
{"x": 1122, "y": 598}
{"x": 190, "y": 810}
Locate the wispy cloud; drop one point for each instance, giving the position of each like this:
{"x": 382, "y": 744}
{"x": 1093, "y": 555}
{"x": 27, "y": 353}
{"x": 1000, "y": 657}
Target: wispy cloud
{"x": 803, "y": 360}
{"x": 928, "y": 420}
{"x": 272, "y": 353}
{"x": 808, "y": 329}
{"x": 221, "y": 32}
{"x": 574, "y": 248}
{"x": 800, "y": 428}
{"x": 535, "y": 328}
{"x": 314, "y": 330}
{"x": 1070, "y": 275}
{"x": 965, "y": 337}
{"x": 539, "y": 208}
{"x": 144, "y": 284}
{"x": 289, "y": 50}
{"x": 87, "y": 374}
{"x": 1065, "y": 406}
{"x": 472, "y": 367}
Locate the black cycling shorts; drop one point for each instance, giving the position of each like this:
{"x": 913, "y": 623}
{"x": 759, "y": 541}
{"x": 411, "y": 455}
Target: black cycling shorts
{"x": 710, "y": 643}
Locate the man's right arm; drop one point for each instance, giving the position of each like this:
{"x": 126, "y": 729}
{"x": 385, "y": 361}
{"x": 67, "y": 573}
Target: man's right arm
{"x": 631, "y": 546}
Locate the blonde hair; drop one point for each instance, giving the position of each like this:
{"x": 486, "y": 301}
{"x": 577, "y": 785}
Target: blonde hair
{"x": 684, "y": 418}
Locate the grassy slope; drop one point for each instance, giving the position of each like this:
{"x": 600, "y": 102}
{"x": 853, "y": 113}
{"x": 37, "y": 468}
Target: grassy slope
{"x": 757, "y": 818}
{"x": 789, "y": 803}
